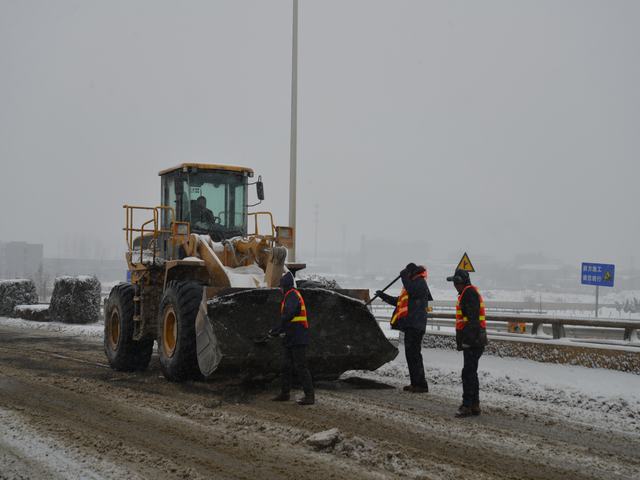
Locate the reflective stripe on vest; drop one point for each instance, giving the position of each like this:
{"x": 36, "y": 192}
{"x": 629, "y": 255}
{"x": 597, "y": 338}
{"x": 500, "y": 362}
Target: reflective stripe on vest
{"x": 402, "y": 307}
{"x": 460, "y": 319}
{"x": 302, "y": 316}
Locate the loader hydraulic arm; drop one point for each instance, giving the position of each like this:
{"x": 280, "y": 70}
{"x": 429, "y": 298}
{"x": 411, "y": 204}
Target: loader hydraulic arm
{"x": 202, "y": 247}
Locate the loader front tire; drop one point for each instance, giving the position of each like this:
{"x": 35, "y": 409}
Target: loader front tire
{"x": 123, "y": 352}
{"x": 177, "y": 331}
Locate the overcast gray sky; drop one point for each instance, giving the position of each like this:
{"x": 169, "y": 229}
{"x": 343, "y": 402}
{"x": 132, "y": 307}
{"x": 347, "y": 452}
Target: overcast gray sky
{"x": 495, "y": 127}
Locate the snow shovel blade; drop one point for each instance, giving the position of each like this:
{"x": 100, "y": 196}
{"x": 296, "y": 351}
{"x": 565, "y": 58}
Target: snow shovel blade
{"x": 344, "y": 335}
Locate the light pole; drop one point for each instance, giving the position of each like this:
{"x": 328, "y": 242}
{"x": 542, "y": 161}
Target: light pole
{"x": 315, "y": 243}
{"x": 294, "y": 133}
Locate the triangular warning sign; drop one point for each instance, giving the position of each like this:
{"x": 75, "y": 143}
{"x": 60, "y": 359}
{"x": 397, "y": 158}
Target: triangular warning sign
{"x": 465, "y": 264}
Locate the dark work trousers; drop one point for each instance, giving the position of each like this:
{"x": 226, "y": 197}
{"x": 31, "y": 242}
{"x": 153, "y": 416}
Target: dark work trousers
{"x": 413, "y": 351}
{"x": 470, "y": 384}
{"x": 295, "y": 360}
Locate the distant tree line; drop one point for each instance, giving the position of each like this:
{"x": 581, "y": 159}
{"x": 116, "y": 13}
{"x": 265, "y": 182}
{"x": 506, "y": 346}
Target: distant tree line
{"x": 630, "y": 305}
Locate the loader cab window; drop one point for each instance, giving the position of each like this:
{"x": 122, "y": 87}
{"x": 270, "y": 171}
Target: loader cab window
{"x": 214, "y": 203}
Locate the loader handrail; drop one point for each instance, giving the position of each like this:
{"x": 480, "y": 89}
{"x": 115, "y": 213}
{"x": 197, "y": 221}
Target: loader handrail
{"x": 256, "y": 231}
{"x": 131, "y": 229}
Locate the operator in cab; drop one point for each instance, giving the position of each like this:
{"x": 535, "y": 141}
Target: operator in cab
{"x": 200, "y": 213}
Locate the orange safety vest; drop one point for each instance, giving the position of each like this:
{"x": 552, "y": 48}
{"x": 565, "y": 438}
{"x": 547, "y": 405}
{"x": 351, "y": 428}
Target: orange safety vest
{"x": 302, "y": 316}
{"x": 460, "y": 320}
{"x": 402, "y": 307}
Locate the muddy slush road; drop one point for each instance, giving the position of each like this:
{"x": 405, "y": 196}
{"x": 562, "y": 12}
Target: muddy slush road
{"x": 65, "y": 414}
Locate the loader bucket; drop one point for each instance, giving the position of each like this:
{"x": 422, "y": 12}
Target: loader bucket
{"x": 231, "y": 334}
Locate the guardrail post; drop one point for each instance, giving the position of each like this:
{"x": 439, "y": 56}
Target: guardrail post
{"x": 631, "y": 334}
{"x": 558, "y": 330}
{"x": 534, "y": 328}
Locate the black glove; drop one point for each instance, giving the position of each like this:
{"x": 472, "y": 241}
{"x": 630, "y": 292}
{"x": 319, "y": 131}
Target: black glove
{"x": 379, "y": 293}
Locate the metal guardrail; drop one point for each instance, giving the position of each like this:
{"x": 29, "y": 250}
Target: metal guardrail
{"x": 631, "y": 327}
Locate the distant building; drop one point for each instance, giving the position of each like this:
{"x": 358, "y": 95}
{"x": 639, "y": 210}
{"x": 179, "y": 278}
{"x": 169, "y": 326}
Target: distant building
{"x": 20, "y": 259}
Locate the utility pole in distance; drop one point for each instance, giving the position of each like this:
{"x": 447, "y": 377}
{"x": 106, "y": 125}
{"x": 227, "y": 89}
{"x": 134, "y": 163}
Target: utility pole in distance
{"x": 294, "y": 133}
{"x": 315, "y": 243}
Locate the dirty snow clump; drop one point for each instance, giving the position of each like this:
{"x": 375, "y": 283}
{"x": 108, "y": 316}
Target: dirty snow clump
{"x": 317, "y": 281}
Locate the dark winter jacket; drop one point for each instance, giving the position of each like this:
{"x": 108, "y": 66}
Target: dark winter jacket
{"x": 419, "y": 298}
{"x": 472, "y": 335}
{"x": 294, "y": 332}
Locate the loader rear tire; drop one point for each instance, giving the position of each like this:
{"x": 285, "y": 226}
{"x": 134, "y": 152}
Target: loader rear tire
{"x": 177, "y": 331}
{"x": 123, "y": 352}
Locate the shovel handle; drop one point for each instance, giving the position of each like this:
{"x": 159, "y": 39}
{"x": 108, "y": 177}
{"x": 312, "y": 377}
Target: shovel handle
{"x": 384, "y": 289}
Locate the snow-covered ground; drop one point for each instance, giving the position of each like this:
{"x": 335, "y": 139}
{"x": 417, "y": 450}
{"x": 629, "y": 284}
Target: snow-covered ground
{"x": 591, "y": 395}
{"x": 23, "y": 449}
{"x": 92, "y": 330}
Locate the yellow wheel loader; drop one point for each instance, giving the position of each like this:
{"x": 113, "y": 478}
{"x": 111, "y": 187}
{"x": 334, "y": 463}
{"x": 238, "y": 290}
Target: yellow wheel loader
{"x": 203, "y": 283}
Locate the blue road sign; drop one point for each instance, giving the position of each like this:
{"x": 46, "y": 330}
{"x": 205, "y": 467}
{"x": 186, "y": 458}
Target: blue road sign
{"x": 598, "y": 274}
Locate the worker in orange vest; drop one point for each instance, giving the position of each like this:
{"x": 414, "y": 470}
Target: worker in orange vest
{"x": 294, "y": 327}
{"x": 410, "y": 317}
{"x": 471, "y": 338}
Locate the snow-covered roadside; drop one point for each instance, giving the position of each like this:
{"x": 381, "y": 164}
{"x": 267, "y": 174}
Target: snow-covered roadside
{"x": 92, "y": 330}
{"x": 22, "y": 450}
{"x": 606, "y": 398}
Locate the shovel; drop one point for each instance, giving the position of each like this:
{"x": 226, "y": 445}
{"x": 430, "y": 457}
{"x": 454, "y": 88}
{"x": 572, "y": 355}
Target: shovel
{"x": 384, "y": 289}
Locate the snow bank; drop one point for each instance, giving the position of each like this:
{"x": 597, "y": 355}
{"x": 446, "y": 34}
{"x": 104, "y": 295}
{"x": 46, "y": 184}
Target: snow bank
{"x": 94, "y": 330}
{"x": 76, "y": 300}
{"x": 16, "y": 292}
{"x": 625, "y": 358}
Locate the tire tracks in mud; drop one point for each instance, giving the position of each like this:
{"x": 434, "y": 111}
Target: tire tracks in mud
{"x": 470, "y": 444}
{"x": 200, "y": 429}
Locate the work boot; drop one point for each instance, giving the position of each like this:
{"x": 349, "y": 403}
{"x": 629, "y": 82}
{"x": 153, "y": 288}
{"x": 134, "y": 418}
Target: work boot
{"x": 475, "y": 409}
{"x": 416, "y": 388}
{"x": 463, "y": 412}
{"x": 283, "y": 397}
{"x": 306, "y": 400}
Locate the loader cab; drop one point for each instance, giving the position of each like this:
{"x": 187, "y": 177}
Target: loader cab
{"x": 212, "y": 198}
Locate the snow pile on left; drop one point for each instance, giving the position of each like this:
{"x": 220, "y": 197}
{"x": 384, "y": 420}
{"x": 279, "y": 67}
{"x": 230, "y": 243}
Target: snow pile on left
{"x": 16, "y": 292}
{"x": 75, "y": 300}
